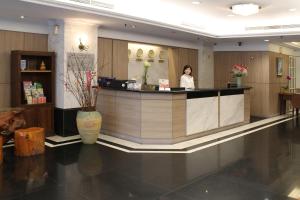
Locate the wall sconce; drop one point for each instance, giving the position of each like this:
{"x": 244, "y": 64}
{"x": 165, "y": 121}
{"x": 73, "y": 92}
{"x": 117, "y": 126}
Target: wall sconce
{"x": 81, "y": 46}
{"x": 56, "y": 29}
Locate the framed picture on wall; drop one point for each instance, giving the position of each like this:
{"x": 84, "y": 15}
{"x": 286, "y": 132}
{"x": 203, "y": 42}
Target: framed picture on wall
{"x": 279, "y": 66}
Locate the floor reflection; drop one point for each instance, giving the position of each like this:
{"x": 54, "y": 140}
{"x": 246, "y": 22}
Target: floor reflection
{"x": 262, "y": 165}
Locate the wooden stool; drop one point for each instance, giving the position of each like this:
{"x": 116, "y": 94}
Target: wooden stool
{"x": 30, "y": 141}
{"x": 1, "y": 150}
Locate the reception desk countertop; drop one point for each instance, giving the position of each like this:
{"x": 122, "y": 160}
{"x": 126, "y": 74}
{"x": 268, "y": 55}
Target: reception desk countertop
{"x": 183, "y": 91}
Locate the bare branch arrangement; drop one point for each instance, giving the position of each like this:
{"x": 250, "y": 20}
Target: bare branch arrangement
{"x": 80, "y": 81}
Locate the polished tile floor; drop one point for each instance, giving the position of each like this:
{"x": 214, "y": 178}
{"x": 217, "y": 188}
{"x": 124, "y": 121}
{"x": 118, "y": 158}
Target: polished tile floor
{"x": 261, "y": 166}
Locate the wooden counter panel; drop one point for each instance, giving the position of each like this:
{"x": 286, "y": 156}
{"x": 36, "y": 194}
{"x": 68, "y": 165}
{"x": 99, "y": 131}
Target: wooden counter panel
{"x": 128, "y": 116}
{"x": 163, "y": 96}
{"x": 156, "y": 119}
{"x": 247, "y": 105}
{"x": 128, "y": 95}
{"x": 106, "y": 106}
{"x": 179, "y": 118}
{"x": 108, "y": 92}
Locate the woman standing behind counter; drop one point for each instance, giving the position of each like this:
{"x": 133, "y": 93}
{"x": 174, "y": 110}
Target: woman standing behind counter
{"x": 187, "y": 80}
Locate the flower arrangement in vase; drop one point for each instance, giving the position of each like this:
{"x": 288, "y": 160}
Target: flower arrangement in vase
{"x": 239, "y": 71}
{"x": 286, "y": 88}
{"x": 80, "y": 82}
{"x": 145, "y": 76}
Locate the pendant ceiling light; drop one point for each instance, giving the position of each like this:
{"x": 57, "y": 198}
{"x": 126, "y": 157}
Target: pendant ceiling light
{"x": 245, "y": 9}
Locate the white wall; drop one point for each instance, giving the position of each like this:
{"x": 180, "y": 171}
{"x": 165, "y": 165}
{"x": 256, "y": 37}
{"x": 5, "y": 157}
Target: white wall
{"x": 245, "y": 46}
{"x": 158, "y": 70}
{"x": 23, "y": 26}
{"x": 205, "y": 53}
{"x": 280, "y": 49}
{"x": 206, "y": 67}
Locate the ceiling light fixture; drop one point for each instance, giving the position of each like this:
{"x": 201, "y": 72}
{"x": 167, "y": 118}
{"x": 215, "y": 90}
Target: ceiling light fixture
{"x": 266, "y": 40}
{"x": 22, "y": 17}
{"x": 196, "y": 2}
{"x": 245, "y": 9}
{"x": 292, "y": 9}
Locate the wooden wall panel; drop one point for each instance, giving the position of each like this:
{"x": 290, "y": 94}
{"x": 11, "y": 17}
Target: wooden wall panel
{"x": 10, "y": 41}
{"x": 120, "y": 59}
{"x": 105, "y": 57}
{"x": 4, "y": 95}
{"x": 261, "y": 77}
{"x": 178, "y": 58}
{"x": 35, "y": 42}
{"x": 182, "y": 60}
{"x": 193, "y": 61}
{"x": 276, "y": 82}
{"x": 173, "y": 66}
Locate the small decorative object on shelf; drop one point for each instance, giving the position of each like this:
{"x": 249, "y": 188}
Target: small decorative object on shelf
{"x": 43, "y": 66}
{"x": 162, "y": 56}
{"x": 286, "y": 89}
{"x": 32, "y": 64}
{"x": 80, "y": 82}
{"x": 23, "y": 64}
{"x": 34, "y": 93}
{"x": 239, "y": 71}
{"x": 151, "y": 55}
{"x": 145, "y": 76}
{"x": 139, "y": 55}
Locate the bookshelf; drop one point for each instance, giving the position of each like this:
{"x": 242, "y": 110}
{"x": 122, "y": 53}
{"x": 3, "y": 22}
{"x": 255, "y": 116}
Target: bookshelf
{"x": 37, "y": 68}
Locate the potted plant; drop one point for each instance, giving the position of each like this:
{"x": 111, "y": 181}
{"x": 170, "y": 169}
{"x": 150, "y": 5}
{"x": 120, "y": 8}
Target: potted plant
{"x": 80, "y": 82}
{"x": 239, "y": 71}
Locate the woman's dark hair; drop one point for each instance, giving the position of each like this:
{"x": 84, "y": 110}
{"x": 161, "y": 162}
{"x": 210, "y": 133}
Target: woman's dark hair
{"x": 186, "y": 67}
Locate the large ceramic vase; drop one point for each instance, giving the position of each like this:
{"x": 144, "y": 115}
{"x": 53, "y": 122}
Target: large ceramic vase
{"x": 89, "y": 125}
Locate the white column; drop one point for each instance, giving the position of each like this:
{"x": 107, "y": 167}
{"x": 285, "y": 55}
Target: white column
{"x": 64, "y": 38}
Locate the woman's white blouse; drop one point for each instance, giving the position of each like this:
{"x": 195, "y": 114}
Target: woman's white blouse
{"x": 187, "y": 81}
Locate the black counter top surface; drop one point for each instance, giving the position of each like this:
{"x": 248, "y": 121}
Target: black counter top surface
{"x": 198, "y": 90}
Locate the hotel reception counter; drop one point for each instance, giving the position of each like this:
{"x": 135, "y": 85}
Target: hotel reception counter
{"x": 167, "y": 117}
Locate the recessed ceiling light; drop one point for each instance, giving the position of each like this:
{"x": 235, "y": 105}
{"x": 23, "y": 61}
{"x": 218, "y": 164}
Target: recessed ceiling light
{"x": 230, "y": 15}
{"x": 22, "y": 17}
{"x": 196, "y": 2}
{"x": 266, "y": 40}
{"x": 245, "y": 9}
{"x": 292, "y": 9}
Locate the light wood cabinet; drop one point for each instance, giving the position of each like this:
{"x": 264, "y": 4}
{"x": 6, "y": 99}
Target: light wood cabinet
{"x": 105, "y": 56}
{"x": 120, "y": 59}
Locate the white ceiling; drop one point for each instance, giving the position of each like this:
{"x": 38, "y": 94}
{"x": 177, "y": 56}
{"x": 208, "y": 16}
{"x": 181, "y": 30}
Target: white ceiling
{"x": 207, "y": 20}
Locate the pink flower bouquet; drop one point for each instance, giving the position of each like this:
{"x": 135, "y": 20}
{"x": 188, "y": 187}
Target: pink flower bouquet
{"x": 239, "y": 70}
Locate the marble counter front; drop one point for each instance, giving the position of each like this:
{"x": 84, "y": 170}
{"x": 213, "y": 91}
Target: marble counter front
{"x": 155, "y": 117}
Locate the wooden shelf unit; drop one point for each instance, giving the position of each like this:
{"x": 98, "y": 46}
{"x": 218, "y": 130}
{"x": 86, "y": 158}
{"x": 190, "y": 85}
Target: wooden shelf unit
{"x": 41, "y": 115}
